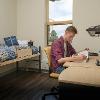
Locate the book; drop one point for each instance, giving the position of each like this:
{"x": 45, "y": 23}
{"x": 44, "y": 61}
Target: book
{"x": 85, "y": 53}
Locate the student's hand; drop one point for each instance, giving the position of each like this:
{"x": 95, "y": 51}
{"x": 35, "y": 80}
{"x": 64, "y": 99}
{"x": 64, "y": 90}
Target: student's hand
{"x": 74, "y": 55}
{"x": 82, "y": 57}
{"x": 79, "y": 57}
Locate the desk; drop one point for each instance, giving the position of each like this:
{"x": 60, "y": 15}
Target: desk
{"x": 90, "y": 63}
{"x": 80, "y": 80}
{"x": 79, "y": 83}
{"x": 81, "y": 76}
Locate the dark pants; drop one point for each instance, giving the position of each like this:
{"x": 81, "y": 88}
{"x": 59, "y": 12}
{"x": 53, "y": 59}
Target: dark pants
{"x": 59, "y": 69}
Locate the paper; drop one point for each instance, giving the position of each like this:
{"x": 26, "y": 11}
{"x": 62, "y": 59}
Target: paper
{"x": 85, "y": 53}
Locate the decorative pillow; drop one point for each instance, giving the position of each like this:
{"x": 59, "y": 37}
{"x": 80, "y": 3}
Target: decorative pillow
{"x": 11, "y": 54}
{"x": 34, "y": 50}
{"x": 3, "y": 55}
{"x": 14, "y": 40}
{"x": 7, "y": 53}
{"x": 22, "y": 44}
{"x": 10, "y": 41}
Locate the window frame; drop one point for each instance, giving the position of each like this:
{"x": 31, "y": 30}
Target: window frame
{"x": 51, "y": 23}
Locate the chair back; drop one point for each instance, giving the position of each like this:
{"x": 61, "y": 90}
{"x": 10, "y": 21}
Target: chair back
{"x": 48, "y": 53}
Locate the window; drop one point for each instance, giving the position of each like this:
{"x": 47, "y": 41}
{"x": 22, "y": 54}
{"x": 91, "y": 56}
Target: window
{"x": 58, "y": 18}
{"x": 60, "y": 10}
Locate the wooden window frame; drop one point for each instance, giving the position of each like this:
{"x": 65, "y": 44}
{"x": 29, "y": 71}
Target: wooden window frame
{"x": 51, "y": 23}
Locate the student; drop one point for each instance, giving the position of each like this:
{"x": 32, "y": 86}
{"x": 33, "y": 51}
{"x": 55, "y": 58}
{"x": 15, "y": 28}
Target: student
{"x": 62, "y": 50}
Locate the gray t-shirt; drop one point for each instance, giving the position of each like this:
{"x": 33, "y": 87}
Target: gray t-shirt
{"x": 65, "y": 47}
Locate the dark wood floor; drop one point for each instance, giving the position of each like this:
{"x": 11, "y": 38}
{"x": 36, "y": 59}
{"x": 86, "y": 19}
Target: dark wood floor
{"x": 25, "y": 85}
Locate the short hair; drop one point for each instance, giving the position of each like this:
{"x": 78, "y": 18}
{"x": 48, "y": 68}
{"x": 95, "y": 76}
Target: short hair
{"x": 71, "y": 29}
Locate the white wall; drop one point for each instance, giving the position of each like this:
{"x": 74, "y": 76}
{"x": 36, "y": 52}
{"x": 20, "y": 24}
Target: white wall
{"x": 31, "y": 20}
{"x": 8, "y": 18}
{"x": 86, "y": 14}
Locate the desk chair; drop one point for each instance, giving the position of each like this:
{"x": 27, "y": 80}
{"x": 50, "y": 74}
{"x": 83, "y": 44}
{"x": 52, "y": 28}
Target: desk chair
{"x": 54, "y": 90}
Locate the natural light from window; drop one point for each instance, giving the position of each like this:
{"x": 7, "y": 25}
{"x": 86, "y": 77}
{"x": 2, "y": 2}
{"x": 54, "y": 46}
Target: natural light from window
{"x": 60, "y": 17}
{"x": 60, "y": 10}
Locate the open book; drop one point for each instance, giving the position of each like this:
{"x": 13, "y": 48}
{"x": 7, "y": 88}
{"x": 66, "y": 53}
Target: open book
{"x": 85, "y": 53}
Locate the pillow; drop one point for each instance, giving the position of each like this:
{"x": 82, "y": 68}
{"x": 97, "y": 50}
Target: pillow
{"x": 10, "y": 41}
{"x": 7, "y": 53}
{"x": 3, "y": 55}
{"x": 34, "y": 50}
{"x": 23, "y": 43}
{"x": 14, "y": 40}
{"x": 11, "y": 53}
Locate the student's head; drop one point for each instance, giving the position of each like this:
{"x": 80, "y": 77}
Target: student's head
{"x": 70, "y": 33}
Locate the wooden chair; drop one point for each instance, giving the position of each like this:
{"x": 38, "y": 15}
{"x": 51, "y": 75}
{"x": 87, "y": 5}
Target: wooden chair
{"x": 48, "y": 53}
{"x": 54, "y": 90}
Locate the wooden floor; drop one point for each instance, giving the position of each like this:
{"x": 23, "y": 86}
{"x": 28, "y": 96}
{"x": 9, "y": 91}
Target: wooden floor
{"x": 25, "y": 85}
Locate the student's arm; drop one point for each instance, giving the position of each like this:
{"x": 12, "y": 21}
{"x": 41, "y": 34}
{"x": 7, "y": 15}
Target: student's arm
{"x": 73, "y": 58}
{"x": 56, "y": 51}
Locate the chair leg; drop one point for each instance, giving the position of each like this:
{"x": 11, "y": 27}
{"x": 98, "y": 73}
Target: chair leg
{"x": 45, "y": 95}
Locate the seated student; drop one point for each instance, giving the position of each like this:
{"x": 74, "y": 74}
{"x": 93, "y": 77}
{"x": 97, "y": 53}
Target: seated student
{"x": 62, "y": 50}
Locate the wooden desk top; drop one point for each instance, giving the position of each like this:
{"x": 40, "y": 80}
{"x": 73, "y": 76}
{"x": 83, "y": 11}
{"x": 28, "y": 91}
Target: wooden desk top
{"x": 81, "y": 75}
{"x": 90, "y": 63}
